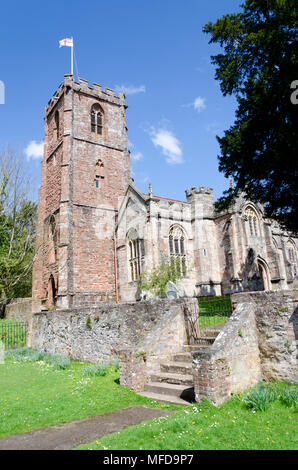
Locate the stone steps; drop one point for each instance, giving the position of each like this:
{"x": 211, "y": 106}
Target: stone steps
{"x": 178, "y": 379}
{"x": 194, "y": 347}
{"x": 210, "y": 332}
{"x": 177, "y": 367}
{"x": 164, "y": 398}
{"x": 174, "y": 382}
{"x": 182, "y": 357}
{"x": 206, "y": 340}
{"x": 162, "y": 388}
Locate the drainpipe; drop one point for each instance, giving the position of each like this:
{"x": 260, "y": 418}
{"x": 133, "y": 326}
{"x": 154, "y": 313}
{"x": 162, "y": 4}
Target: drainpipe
{"x": 116, "y": 269}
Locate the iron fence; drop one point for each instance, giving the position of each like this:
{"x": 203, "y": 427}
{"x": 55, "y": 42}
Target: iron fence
{"x": 214, "y": 311}
{"x": 13, "y": 334}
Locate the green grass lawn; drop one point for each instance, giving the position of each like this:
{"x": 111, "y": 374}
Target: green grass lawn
{"x": 53, "y": 391}
{"x": 203, "y": 426}
{"x": 211, "y": 320}
{"x": 35, "y": 395}
{"x": 214, "y": 311}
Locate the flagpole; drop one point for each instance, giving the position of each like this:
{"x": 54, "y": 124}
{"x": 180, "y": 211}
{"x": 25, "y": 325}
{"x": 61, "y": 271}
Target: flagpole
{"x": 72, "y": 56}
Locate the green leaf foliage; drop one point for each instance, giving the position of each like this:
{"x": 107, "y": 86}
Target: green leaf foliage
{"x": 17, "y": 227}
{"x": 155, "y": 281}
{"x": 258, "y": 64}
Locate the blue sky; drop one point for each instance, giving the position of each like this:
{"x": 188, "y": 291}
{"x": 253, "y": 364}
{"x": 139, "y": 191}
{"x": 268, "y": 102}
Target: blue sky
{"x": 153, "y": 50}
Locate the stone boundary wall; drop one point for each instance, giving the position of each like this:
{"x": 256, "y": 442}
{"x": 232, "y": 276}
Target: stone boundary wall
{"x": 166, "y": 338}
{"x": 100, "y": 334}
{"x": 232, "y": 363}
{"x": 276, "y": 314}
{"x": 258, "y": 342}
{"x": 21, "y": 309}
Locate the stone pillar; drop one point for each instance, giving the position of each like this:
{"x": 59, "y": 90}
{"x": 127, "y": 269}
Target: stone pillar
{"x": 210, "y": 378}
{"x": 133, "y": 370}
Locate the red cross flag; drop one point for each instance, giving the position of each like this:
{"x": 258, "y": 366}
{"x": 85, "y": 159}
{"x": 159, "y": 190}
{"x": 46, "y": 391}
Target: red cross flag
{"x": 66, "y": 42}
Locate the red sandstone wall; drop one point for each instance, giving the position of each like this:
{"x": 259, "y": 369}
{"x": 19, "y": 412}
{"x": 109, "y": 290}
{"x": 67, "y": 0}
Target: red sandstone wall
{"x": 86, "y": 213}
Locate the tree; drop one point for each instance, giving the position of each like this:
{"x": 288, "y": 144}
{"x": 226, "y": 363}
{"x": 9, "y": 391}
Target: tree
{"x": 258, "y": 66}
{"x": 17, "y": 227}
{"x": 156, "y": 280}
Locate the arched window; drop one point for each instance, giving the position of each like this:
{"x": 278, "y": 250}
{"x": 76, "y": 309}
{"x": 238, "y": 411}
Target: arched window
{"x": 252, "y": 218}
{"x": 177, "y": 248}
{"x": 96, "y": 119}
{"x": 135, "y": 252}
{"x": 99, "y": 173}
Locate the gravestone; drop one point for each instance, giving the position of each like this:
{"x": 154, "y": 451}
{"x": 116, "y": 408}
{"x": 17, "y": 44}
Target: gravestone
{"x": 144, "y": 295}
{"x": 171, "y": 291}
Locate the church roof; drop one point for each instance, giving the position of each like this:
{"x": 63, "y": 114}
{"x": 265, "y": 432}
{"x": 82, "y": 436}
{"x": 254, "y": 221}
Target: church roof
{"x": 147, "y": 196}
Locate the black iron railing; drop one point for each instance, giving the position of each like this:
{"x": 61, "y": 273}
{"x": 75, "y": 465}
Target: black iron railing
{"x": 13, "y": 334}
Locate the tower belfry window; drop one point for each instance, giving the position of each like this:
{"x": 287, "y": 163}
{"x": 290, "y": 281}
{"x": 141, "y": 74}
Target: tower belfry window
{"x": 99, "y": 173}
{"x": 96, "y": 119}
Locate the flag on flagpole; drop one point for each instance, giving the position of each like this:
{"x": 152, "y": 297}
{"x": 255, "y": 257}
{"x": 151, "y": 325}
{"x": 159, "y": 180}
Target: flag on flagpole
{"x": 66, "y": 42}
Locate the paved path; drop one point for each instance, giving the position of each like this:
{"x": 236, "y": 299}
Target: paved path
{"x": 70, "y": 435}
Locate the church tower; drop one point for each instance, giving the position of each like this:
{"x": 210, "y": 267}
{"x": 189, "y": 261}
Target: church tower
{"x": 85, "y": 173}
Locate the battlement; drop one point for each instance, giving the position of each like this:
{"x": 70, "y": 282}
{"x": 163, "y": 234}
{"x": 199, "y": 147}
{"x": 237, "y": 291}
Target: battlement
{"x": 194, "y": 191}
{"x": 83, "y": 86}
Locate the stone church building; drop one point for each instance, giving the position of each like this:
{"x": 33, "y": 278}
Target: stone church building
{"x": 97, "y": 232}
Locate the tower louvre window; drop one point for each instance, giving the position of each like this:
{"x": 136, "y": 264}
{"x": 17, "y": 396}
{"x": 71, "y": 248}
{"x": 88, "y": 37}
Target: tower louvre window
{"x": 99, "y": 173}
{"x": 96, "y": 119}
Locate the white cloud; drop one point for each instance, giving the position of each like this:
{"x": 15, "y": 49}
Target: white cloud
{"x": 199, "y": 104}
{"x": 130, "y": 90}
{"x": 170, "y": 145}
{"x": 34, "y": 150}
{"x": 212, "y": 127}
{"x": 136, "y": 156}
{"x": 130, "y": 145}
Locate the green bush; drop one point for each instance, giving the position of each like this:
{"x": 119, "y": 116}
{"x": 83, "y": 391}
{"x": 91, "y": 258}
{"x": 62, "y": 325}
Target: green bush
{"x": 115, "y": 365}
{"x": 289, "y": 396}
{"x": 261, "y": 397}
{"x": 59, "y": 362}
{"x": 29, "y": 355}
{"x": 96, "y": 370}
{"x": 26, "y": 355}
